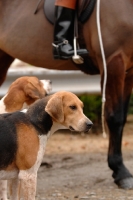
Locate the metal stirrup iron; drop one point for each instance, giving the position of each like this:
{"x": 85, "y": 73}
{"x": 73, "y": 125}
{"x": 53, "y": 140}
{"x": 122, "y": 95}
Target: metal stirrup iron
{"x": 76, "y": 58}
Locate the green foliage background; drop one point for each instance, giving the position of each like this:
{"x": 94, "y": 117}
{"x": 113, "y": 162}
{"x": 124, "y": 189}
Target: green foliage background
{"x": 92, "y": 107}
{"x": 130, "y": 110}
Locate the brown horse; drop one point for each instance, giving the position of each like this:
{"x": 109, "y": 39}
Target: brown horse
{"x": 28, "y": 37}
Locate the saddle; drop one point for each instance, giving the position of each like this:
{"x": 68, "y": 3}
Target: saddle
{"x": 84, "y": 8}
{"x": 84, "y": 11}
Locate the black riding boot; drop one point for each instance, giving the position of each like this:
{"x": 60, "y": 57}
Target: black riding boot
{"x": 64, "y": 34}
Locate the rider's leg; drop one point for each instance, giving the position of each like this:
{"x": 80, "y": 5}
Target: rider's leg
{"x": 64, "y": 30}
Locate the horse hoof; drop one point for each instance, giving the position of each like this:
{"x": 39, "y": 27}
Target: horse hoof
{"x": 126, "y": 183}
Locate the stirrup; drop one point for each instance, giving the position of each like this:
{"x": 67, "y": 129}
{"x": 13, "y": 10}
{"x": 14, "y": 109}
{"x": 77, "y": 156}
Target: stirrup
{"x": 76, "y": 58}
{"x": 59, "y": 53}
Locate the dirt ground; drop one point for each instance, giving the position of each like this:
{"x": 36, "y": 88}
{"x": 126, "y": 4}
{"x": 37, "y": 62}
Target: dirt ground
{"x": 75, "y": 167}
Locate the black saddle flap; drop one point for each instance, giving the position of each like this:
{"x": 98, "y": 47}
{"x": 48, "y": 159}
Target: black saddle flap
{"x": 49, "y": 7}
{"x": 85, "y": 8}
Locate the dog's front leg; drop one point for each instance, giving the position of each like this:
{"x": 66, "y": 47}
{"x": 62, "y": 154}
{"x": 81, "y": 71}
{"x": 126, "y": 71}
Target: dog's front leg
{"x": 28, "y": 184}
{"x": 3, "y": 189}
{"x": 14, "y": 189}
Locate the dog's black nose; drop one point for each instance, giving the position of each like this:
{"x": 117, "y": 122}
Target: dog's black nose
{"x": 89, "y": 125}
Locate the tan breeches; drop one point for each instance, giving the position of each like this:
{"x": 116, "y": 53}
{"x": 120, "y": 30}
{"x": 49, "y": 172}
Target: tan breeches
{"x": 66, "y": 3}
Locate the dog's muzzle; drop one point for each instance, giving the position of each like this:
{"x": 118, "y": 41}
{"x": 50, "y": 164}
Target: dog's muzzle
{"x": 87, "y": 127}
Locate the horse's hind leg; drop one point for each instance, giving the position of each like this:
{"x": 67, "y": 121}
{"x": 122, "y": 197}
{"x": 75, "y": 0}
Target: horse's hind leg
{"x": 5, "y": 62}
{"x": 117, "y": 99}
{"x": 127, "y": 182}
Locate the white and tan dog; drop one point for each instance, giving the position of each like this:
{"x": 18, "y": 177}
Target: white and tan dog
{"x": 28, "y": 132}
{"x": 22, "y": 93}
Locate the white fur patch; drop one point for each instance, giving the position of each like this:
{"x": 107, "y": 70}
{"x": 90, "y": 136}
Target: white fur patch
{"x": 6, "y": 175}
{"x": 56, "y": 127}
{"x": 25, "y": 106}
{"x": 24, "y": 110}
{"x": 2, "y": 105}
{"x": 47, "y": 85}
{"x": 3, "y": 189}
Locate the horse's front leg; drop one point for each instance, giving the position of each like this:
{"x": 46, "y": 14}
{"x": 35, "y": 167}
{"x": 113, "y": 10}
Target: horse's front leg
{"x": 115, "y": 113}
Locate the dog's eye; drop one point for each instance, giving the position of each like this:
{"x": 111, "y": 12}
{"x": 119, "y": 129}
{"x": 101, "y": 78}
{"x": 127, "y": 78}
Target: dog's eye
{"x": 73, "y": 107}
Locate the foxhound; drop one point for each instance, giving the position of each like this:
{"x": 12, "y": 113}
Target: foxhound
{"x": 23, "y": 138}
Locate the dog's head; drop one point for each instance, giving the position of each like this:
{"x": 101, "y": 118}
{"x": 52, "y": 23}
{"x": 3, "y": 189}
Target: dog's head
{"x": 25, "y": 91}
{"x": 66, "y": 109}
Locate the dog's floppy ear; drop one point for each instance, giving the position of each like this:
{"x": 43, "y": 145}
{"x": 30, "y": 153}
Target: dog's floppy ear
{"x": 54, "y": 108}
{"x": 31, "y": 91}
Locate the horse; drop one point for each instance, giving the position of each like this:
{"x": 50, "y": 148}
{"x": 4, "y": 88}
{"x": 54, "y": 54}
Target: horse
{"x": 29, "y": 37}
